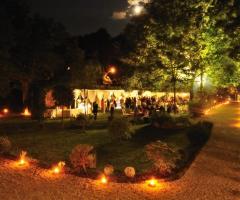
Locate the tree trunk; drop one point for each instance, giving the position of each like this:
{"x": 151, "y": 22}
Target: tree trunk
{"x": 201, "y": 82}
{"x": 174, "y": 92}
{"x": 85, "y": 112}
{"x": 25, "y": 88}
{"x": 191, "y": 90}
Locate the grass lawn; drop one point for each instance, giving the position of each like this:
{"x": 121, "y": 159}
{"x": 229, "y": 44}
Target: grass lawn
{"x": 51, "y": 142}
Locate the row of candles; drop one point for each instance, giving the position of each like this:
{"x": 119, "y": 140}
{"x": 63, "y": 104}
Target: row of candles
{"x": 26, "y": 112}
{"x": 23, "y": 161}
{"x": 215, "y": 106}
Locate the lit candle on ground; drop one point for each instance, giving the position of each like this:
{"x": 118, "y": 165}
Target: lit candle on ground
{"x": 59, "y": 168}
{"x": 104, "y": 180}
{"x": 5, "y": 111}
{"x": 26, "y": 112}
{"x": 152, "y": 182}
{"x": 22, "y": 159}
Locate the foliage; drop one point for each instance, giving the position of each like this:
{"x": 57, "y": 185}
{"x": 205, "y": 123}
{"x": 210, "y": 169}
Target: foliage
{"x": 5, "y": 145}
{"x": 199, "y": 133}
{"x": 161, "y": 119}
{"x": 63, "y": 95}
{"x": 108, "y": 170}
{"x": 163, "y": 156}
{"x": 183, "y": 40}
{"x": 82, "y": 121}
{"x": 120, "y": 128}
{"x": 37, "y": 103}
{"x": 165, "y": 120}
{"x": 83, "y": 157}
{"x": 183, "y": 121}
{"x": 86, "y": 76}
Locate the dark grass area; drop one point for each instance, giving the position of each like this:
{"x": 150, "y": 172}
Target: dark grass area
{"x": 53, "y": 140}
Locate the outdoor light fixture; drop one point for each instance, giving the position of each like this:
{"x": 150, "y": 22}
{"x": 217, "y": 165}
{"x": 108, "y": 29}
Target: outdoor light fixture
{"x": 137, "y": 10}
{"x": 26, "y": 112}
{"x": 112, "y": 70}
{"x": 103, "y": 180}
{"x": 152, "y": 182}
{"x": 22, "y": 159}
{"x": 5, "y": 111}
{"x": 59, "y": 168}
{"x": 106, "y": 79}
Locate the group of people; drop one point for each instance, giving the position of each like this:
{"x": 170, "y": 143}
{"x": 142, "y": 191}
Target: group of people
{"x": 140, "y": 106}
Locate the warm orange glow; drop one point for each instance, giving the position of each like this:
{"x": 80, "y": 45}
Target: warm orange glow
{"x": 104, "y": 180}
{"x": 152, "y": 182}
{"x": 59, "y": 168}
{"x": 26, "y": 112}
{"x": 112, "y": 70}
{"x": 155, "y": 184}
{"x": 206, "y": 112}
{"x": 5, "y": 111}
{"x": 22, "y": 159}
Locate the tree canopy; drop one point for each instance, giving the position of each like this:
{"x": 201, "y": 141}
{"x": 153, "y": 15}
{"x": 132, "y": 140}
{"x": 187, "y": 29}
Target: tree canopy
{"x": 182, "y": 40}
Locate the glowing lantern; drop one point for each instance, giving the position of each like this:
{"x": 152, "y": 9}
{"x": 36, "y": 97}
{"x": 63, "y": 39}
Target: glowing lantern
{"x": 59, "y": 168}
{"x": 152, "y": 182}
{"x": 22, "y": 158}
{"x": 26, "y": 112}
{"x": 112, "y": 70}
{"x": 137, "y": 10}
{"x": 5, "y": 111}
{"x": 104, "y": 180}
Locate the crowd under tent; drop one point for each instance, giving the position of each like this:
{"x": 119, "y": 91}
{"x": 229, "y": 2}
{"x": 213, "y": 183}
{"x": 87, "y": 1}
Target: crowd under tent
{"x": 83, "y": 100}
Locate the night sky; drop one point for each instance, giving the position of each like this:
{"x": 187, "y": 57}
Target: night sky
{"x": 82, "y": 16}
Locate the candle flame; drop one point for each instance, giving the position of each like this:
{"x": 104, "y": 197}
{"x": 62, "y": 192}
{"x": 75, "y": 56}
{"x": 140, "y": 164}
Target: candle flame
{"x": 104, "y": 180}
{"x": 5, "y": 111}
{"x": 152, "y": 182}
{"x": 59, "y": 168}
{"x": 26, "y": 112}
{"x": 22, "y": 158}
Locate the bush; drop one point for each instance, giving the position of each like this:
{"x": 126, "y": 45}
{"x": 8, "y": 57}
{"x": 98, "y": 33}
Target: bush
{"x": 120, "y": 128}
{"x": 182, "y": 121}
{"x": 5, "y": 145}
{"x": 108, "y": 170}
{"x": 199, "y": 133}
{"x": 160, "y": 120}
{"x": 83, "y": 157}
{"x": 80, "y": 122}
{"x": 164, "y": 157}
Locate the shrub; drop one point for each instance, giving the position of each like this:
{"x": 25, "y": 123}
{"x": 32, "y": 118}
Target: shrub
{"x": 108, "y": 170}
{"x": 5, "y": 145}
{"x": 83, "y": 157}
{"x": 80, "y": 122}
{"x": 199, "y": 133}
{"x": 120, "y": 128}
{"x": 164, "y": 157}
{"x": 183, "y": 121}
{"x": 160, "y": 119}
{"x": 196, "y": 107}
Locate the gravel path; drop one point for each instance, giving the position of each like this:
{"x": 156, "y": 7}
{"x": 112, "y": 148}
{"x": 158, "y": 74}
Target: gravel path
{"x": 214, "y": 175}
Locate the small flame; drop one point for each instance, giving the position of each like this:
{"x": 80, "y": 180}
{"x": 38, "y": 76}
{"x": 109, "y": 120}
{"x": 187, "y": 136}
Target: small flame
{"x": 5, "y": 111}
{"x": 22, "y": 158}
{"x": 26, "y": 112}
{"x": 57, "y": 169}
{"x": 104, "y": 180}
{"x": 152, "y": 182}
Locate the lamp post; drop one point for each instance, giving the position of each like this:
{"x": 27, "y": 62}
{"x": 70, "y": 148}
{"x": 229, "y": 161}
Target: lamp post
{"x": 106, "y": 79}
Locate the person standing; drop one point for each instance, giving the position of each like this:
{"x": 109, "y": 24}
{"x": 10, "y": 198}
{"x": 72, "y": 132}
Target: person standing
{"x": 112, "y": 109}
{"x": 103, "y": 105}
{"x": 95, "y": 110}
